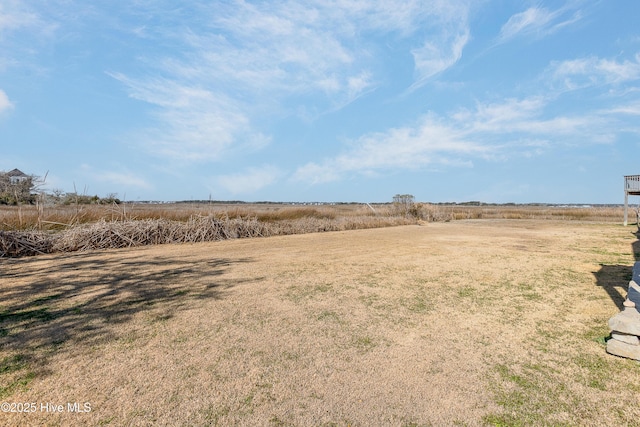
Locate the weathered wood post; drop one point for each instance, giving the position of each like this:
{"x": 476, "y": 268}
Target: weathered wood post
{"x": 626, "y": 201}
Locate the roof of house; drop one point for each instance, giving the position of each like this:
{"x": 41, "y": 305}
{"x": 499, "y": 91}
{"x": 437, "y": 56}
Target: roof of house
{"x": 16, "y": 172}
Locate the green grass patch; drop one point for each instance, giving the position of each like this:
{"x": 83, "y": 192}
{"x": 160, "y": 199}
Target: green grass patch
{"x": 529, "y": 395}
{"x": 598, "y": 331}
{"x": 15, "y": 373}
{"x": 467, "y": 292}
{"x": 328, "y": 315}
{"x": 596, "y": 370}
{"x": 364, "y": 343}
{"x": 417, "y": 304}
{"x": 298, "y": 293}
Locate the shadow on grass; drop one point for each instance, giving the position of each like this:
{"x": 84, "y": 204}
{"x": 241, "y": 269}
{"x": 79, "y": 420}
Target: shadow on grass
{"x": 46, "y": 303}
{"x": 614, "y": 278}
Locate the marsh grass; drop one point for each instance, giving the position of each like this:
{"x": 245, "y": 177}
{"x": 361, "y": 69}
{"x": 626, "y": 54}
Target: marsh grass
{"x": 57, "y": 217}
{"x": 96, "y": 227}
{"x": 123, "y": 234}
{"x": 562, "y": 213}
{"x": 32, "y": 230}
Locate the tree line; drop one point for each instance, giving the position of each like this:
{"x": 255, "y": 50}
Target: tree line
{"x": 13, "y": 192}
{"x": 27, "y": 190}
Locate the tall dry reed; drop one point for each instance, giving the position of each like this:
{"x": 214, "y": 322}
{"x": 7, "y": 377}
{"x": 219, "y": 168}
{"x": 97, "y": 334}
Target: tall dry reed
{"x": 32, "y": 230}
{"x": 120, "y": 234}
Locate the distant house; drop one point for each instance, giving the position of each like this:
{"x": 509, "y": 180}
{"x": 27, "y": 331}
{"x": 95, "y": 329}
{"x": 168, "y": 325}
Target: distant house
{"x": 16, "y": 176}
{"x": 15, "y": 187}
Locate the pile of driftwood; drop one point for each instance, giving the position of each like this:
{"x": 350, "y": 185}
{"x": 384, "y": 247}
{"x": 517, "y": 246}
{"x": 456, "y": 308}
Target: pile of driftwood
{"x": 24, "y": 243}
{"x": 121, "y": 234}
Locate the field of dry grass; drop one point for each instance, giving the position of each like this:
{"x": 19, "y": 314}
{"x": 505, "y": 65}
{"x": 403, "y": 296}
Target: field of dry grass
{"x": 469, "y": 322}
{"x": 58, "y": 217}
{"x": 174, "y": 225}
{"x": 33, "y": 230}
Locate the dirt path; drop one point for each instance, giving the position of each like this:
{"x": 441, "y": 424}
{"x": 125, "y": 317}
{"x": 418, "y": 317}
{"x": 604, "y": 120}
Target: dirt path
{"x": 461, "y": 323}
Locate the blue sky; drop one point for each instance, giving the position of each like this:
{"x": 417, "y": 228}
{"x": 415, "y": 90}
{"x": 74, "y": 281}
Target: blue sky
{"x": 328, "y": 100}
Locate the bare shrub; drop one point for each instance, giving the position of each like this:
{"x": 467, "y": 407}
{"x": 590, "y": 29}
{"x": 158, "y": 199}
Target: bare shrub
{"x": 430, "y": 213}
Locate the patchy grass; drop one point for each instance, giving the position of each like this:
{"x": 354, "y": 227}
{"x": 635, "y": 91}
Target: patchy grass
{"x": 528, "y": 396}
{"x": 464, "y": 323}
{"x": 15, "y": 373}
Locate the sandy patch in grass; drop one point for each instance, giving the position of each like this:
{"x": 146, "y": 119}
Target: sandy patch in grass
{"x": 463, "y": 323}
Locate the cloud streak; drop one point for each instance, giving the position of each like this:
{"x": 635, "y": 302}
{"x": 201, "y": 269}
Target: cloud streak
{"x": 195, "y": 123}
{"x": 14, "y": 16}
{"x": 17, "y": 18}
{"x": 434, "y": 58}
{"x": 537, "y": 22}
{"x": 491, "y": 131}
{"x": 592, "y": 71}
{"x": 247, "y": 60}
{"x": 429, "y": 142}
{"x": 5, "y": 103}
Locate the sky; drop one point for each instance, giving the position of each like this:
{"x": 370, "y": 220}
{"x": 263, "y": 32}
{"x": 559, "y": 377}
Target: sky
{"x": 497, "y": 101}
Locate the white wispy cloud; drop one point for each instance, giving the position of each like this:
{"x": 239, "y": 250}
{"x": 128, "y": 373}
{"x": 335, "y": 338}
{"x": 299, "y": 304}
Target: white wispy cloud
{"x": 195, "y": 124}
{"x": 23, "y": 31}
{"x": 429, "y": 142}
{"x": 247, "y": 181}
{"x": 247, "y": 60}
{"x": 14, "y": 15}
{"x": 530, "y": 20}
{"x": 584, "y": 72}
{"x": 492, "y": 117}
{"x": 435, "y": 57}
{"x": 492, "y": 131}
{"x": 5, "y": 103}
{"x": 538, "y": 21}
{"x": 527, "y": 119}
{"x": 358, "y": 85}
{"x": 632, "y": 108}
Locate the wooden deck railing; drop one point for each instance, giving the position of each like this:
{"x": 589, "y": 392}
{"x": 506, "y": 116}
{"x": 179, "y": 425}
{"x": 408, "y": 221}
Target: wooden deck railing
{"x": 632, "y": 183}
{"x": 631, "y": 188}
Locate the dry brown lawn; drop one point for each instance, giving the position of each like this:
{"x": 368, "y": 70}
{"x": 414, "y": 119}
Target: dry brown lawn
{"x": 479, "y": 322}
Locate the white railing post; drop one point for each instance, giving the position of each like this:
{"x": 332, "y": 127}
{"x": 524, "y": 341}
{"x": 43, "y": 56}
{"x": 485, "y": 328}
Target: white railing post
{"x": 626, "y": 199}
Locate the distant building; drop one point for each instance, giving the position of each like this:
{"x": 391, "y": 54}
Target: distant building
{"x": 16, "y": 176}
{"x": 15, "y": 187}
